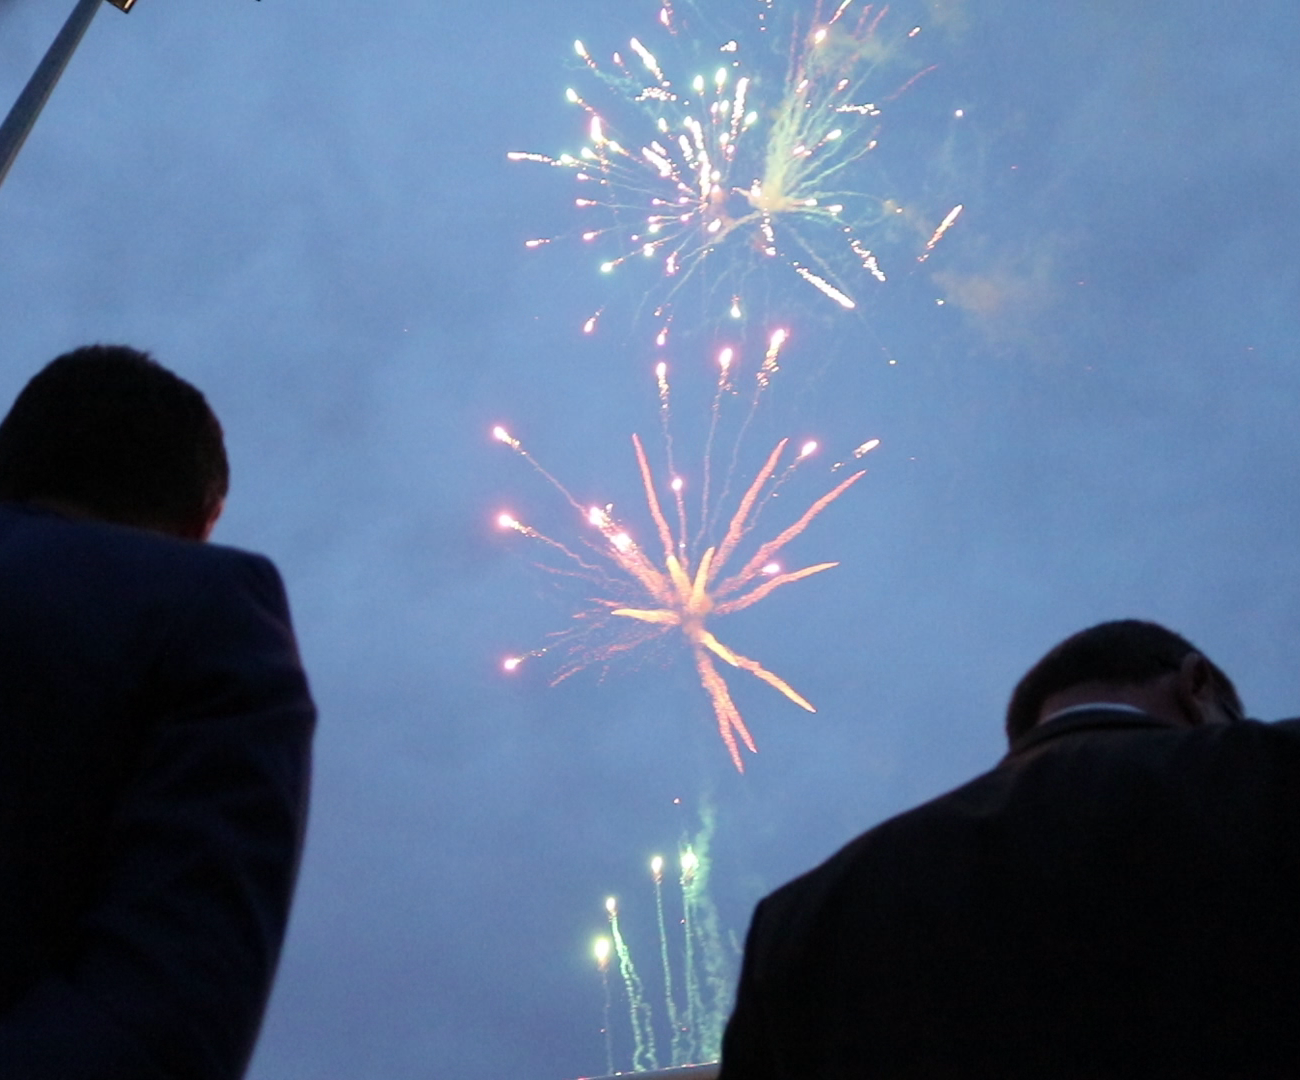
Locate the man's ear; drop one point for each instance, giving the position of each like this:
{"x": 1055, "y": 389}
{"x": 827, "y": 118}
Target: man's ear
{"x": 200, "y": 528}
{"x": 211, "y": 522}
{"x": 1194, "y": 688}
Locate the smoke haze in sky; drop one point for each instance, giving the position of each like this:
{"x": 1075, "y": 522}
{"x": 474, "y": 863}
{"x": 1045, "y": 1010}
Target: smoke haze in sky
{"x": 307, "y": 210}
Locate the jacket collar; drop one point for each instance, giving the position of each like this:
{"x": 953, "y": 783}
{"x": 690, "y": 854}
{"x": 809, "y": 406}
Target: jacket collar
{"x": 1101, "y": 719}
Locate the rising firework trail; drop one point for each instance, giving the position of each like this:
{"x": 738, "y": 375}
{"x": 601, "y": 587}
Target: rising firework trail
{"x": 688, "y": 584}
{"x": 694, "y": 953}
{"x": 643, "y": 1033}
{"x": 712, "y": 982}
{"x": 680, "y": 1034}
{"x": 602, "y": 962}
{"x": 695, "y": 1011}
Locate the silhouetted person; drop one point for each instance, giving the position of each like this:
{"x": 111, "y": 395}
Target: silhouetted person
{"x": 155, "y": 729}
{"x": 1119, "y": 897}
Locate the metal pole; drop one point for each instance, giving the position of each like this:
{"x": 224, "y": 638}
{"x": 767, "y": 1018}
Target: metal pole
{"x": 18, "y": 124}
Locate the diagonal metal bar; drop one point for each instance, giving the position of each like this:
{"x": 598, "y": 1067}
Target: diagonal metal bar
{"x": 22, "y": 117}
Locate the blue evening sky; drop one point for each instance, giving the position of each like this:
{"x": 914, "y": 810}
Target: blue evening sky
{"x": 306, "y": 209}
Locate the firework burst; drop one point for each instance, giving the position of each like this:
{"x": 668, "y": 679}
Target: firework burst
{"x": 689, "y": 583}
{"x": 737, "y": 166}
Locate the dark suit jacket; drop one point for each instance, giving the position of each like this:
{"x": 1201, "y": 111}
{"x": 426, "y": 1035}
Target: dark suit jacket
{"x": 155, "y": 727}
{"x": 1118, "y": 898}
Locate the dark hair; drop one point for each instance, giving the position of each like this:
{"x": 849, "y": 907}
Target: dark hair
{"x": 108, "y": 429}
{"x": 1127, "y": 652}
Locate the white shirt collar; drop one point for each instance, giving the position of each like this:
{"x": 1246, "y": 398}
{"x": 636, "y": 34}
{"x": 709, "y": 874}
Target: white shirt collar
{"x": 1092, "y": 706}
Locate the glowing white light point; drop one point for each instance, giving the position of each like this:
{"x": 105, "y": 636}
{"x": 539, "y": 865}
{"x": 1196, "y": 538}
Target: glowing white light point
{"x": 512, "y": 662}
{"x": 809, "y": 447}
{"x": 772, "y": 568}
{"x": 677, "y": 483}
{"x": 611, "y": 905}
{"x": 725, "y": 357}
{"x": 621, "y": 541}
{"x": 657, "y": 865}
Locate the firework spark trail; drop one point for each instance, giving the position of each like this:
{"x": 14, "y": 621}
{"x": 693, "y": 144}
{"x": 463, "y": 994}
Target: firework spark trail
{"x": 713, "y": 981}
{"x": 643, "y": 1035}
{"x": 694, "y": 1003}
{"x": 602, "y": 962}
{"x": 739, "y": 158}
{"x": 946, "y": 224}
{"x": 503, "y": 436}
{"x": 858, "y": 453}
{"x": 762, "y": 381}
{"x": 805, "y": 451}
{"x": 685, "y": 592}
{"x": 725, "y": 357}
{"x": 707, "y": 975}
{"x": 679, "y": 1033}
{"x": 761, "y": 558}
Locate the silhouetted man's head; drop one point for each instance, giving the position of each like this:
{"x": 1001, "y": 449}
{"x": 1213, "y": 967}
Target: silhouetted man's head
{"x": 1126, "y": 661}
{"x": 107, "y": 432}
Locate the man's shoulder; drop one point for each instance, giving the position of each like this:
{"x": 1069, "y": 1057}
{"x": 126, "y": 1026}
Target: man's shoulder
{"x": 43, "y": 536}
{"x": 1289, "y": 727}
{"x": 991, "y": 792}
{"x": 90, "y": 569}
{"x": 875, "y": 850}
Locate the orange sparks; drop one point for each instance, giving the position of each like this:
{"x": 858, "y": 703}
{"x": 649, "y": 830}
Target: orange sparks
{"x": 679, "y": 594}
